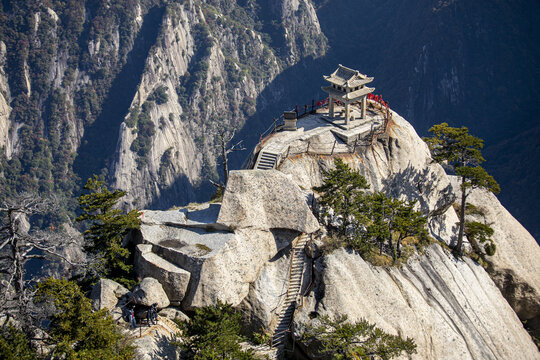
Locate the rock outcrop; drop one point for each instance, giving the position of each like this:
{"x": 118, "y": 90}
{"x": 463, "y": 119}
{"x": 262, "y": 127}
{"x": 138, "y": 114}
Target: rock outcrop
{"x": 221, "y": 257}
{"x": 149, "y": 292}
{"x": 240, "y": 254}
{"x": 106, "y": 293}
{"x": 399, "y": 164}
{"x": 514, "y": 267}
{"x": 173, "y": 278}
{"x": 265, "y": 199}
{"x": 450, "y": 308}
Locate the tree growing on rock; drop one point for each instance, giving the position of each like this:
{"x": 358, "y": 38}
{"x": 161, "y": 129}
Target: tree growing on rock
{"x": 369, "y": 221}
{"x": 20, "y": 244}
{"x": 343, "y": 191}
{"x": 389, "y": 222}
{"x": 343, "y": 340}
{"x": 213, "y": 333}
{"x": 223, "y": 149}
{"x": 461, "y": 151}
{"x": 108, "y": 226}
{"x": 75, "y": 332}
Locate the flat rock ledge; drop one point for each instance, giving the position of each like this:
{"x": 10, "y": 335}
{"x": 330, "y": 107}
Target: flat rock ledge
{"x": 174, "y": 279}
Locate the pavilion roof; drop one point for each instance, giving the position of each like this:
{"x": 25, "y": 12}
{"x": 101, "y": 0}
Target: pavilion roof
{"x": 336, "y": 94}
{"x": 344, "y": 76}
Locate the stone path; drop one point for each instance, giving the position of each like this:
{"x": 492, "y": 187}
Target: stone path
{"x": 288, "y": 307}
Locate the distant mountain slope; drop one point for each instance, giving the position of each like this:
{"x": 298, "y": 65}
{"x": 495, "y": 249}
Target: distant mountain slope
{"x": 137, "y": 90}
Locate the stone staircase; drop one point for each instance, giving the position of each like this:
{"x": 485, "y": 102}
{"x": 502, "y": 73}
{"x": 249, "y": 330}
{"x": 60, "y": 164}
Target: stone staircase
{"x": 266, "y": 160}
{"x": 288, "y": 307}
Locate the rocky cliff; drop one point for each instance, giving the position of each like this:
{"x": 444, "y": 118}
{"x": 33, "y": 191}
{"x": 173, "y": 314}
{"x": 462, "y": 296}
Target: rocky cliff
{"x": 451, "y": 307}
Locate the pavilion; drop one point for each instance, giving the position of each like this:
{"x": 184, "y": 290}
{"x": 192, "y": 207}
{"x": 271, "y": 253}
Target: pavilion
{"x": 347, "y": 86}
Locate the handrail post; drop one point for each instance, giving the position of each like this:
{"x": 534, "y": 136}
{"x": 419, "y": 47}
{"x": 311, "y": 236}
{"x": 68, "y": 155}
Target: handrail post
{"x": 335, "y": 141}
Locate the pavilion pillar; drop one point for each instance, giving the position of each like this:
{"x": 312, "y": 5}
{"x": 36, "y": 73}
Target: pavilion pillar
{"x": 364, "y": 106}
{"x": 347, "y": 113}
{"x": 331, "y": 107}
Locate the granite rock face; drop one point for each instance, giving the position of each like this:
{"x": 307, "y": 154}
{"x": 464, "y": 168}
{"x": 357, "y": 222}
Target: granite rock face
{"x": 151, "y": 292}
{"x": 106, "y": 293}
{"x": 221, "y": 263}
{"x": 450, "y": 308}
{"x": 174, "y": 280}
{"x": 265, "y": 199}
{"x": 515, "y": 267}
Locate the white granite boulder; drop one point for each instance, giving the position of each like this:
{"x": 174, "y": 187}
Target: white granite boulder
{"x": 149, "y": 292}
{"x": 105, "y": 294}
{"x": 265, "y": 199}
{"x": 174, "y": 279}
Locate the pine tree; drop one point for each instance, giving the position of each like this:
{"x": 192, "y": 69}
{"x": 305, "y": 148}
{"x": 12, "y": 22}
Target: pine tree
{"x": 108, "y": 228}
{"x": 343, "y": 191}
{"x": 76, "y": 331}
{"x": 344, "y": 340}
{"x": 213, "y": 333}
{"x": 391, "y": 219}
{"x": 14, "y": 344}
{"x": 456, "y": 148}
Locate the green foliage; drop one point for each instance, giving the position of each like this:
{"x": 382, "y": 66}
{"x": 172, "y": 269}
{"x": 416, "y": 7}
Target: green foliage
{"x": 477, "y": 177}
{"x": 343, "y": 340}
{"x": 108, "y": 226}
{"x": 389, "y": 222}
{"x": 343, "y": 191}
{"x": 79, "y": 333}
{"x": 262, "y": 337}
{"x": 456, "y": 148}
{"x": 369, "y": 222}
{"x": 213, "y": 333}
{"x": 14, "y": 345}
{"x": 34, "y": 40}
{"x": 479, "y": 235}
{"x": 159, "y": 95}
{"x": 145, "y": 131}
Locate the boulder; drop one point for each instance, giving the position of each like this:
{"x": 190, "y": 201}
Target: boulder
{"x": 174, "y": 279}
{"x": 172, "y": 313}
{"x": 265, "y": 199}
{"x": 221, "y": 263}
{"x": 149, "y": 292}
{"x": 105, "y": 294}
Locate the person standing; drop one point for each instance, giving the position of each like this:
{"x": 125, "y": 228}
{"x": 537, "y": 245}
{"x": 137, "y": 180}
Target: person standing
{"x": 132, "y": 320}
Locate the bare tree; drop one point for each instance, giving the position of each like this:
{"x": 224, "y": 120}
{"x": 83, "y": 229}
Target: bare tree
{"x": 18, "y": 245}
{"x": 224, "y": 137}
